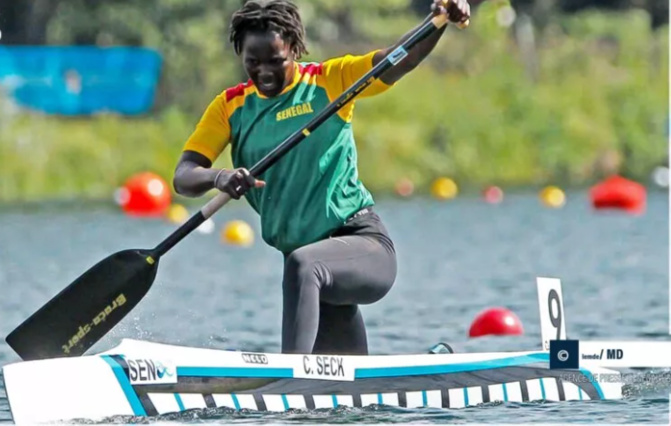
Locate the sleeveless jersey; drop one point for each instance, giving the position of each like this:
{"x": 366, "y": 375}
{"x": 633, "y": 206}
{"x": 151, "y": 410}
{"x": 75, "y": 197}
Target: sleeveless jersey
{"x": 315, "y": 187}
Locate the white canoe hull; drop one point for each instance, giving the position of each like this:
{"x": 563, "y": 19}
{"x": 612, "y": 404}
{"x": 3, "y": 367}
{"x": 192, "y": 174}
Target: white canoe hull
{"x": 146, "y": 379}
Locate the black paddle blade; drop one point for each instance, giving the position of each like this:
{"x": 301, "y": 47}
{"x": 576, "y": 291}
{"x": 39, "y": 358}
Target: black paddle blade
{"x": 87, "y": 309}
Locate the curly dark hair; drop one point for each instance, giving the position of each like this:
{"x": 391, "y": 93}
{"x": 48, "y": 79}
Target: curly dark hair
{"x": 264, "y": 15}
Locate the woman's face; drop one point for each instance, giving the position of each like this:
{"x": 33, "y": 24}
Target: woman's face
{"x": 268, "y": 61}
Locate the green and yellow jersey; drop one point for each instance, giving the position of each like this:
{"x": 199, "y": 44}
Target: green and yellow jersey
{"x": 315, "y": 187}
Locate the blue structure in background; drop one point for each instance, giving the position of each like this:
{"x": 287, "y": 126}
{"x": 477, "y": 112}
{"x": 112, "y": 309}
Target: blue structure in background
{"x": 72, "y": 80}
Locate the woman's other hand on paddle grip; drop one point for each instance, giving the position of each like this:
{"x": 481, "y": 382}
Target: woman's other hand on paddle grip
{"x": 457, "y": 11}
{"x": 236, "y": 182}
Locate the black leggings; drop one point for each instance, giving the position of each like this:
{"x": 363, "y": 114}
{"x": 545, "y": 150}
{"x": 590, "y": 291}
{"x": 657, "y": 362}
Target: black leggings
{"x": 324, "y": 283}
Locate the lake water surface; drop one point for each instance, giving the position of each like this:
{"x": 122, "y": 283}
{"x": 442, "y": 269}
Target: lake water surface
{"x": 455, "y": 259}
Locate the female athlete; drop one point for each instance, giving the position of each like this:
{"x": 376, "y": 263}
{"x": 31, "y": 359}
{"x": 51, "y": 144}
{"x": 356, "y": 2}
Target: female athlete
{"x": 313, "y": 207}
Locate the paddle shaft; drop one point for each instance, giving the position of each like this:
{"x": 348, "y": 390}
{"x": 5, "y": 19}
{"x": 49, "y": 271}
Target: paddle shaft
{"x": 278, "y": 152}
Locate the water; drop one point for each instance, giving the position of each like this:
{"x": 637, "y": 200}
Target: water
{"x": 455, "y": 259}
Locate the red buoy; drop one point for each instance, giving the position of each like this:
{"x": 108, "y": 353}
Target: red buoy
{"x": 619, "y": 193}
{"x": 493, "y": 194}
{"x": 404, "y": 187}
{"x": 145, "y": 194}
{"x": 496, "y": 321}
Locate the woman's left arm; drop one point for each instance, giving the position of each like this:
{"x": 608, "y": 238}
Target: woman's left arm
{"x": 456, "y": 11}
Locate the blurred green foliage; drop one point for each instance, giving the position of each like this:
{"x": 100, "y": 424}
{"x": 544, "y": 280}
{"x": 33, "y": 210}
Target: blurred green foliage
{"x": 492, "y": 105}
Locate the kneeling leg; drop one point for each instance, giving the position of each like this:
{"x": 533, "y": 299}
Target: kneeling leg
{"x": 341, "y": 331}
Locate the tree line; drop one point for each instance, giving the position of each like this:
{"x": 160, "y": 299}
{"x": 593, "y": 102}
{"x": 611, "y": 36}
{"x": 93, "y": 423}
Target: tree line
{"x": 28, "y": 22}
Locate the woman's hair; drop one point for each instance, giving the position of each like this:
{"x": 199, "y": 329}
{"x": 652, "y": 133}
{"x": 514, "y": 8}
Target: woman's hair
{"x": 264, "y": 15}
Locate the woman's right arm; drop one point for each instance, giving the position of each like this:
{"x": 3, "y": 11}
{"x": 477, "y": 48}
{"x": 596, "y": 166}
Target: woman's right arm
{"x": 194, "y": 175}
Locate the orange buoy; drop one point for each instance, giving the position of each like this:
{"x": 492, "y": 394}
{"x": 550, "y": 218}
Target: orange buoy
{"x": 493, "y": 194}
{"x": 496, "y": 321}
{"x": 619, "y": 193}
{"x": 145, "y": 194}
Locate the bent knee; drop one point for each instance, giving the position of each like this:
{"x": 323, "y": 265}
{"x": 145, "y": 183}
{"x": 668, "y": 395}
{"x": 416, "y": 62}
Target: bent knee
{"x": 300, "y": 269}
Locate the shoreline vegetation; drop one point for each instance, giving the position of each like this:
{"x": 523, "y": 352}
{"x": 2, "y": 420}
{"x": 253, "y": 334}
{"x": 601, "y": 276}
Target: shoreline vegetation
{"x": 589, "y": 99}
